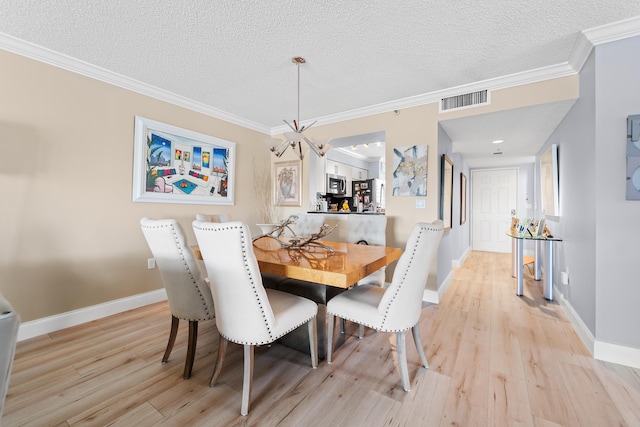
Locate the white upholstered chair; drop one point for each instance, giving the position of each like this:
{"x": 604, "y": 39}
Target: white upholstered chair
{"x": 368, "y": 229}
{"x": 308, "y": 223}
{"x": 396, "y": 308}
{"x": 187, "y": 291}
{"x": 213, "y": 217}
{"x": 9, "y": 323}
{"x": 246, "y": 312}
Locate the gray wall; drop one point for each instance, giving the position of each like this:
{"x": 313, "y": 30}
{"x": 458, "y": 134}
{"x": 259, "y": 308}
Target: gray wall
{"x": 617, "y": 95}
{"x": 576, "y": 224}
{"x": 445, "y": 250}
{"x": 455, "y": 241}
{"x": 599, "y": 227}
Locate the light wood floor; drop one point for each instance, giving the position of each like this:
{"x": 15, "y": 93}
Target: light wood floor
{"x": 496, "y": 359}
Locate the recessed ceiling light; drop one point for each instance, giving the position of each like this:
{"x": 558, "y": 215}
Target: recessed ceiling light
{"x": 366, "y": 145}
{"x": 354, "y": 147}
{"x": 498, "y": 141}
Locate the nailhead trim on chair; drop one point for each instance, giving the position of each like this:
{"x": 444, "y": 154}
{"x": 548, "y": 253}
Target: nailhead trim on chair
{"x": 255, "y": 291}
{"x": 402, "y": 281}
{"x": 425, "y": 227}
{"x": 193, "y": 280}
{"x": 253, "y": 283}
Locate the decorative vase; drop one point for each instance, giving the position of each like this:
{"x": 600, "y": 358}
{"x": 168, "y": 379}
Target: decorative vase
{"x": 267, "y": 228}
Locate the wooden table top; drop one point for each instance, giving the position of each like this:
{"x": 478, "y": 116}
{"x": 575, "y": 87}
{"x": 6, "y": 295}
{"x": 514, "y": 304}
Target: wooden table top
{"x": 342, "y": 268}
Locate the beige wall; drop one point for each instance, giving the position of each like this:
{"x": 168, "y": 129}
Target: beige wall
{"x": 69, "y": 230}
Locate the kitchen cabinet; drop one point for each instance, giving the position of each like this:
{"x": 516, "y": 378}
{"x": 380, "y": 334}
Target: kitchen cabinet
{"x": 317, "y": 172}
{"x": 358, "y": 174}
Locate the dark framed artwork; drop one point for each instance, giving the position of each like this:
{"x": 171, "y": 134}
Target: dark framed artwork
{"x": 446, "y": 192}
{"x": 463, "y": 198}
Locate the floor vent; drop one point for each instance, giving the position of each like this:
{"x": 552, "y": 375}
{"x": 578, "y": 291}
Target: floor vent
{"x": 465, "y": 100}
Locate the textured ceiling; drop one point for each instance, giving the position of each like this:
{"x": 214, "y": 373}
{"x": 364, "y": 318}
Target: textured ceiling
{"x": 235, "y": 56}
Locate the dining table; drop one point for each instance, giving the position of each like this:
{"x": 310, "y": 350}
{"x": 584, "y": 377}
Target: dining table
{"x": 341, "y": 268}
{"x": 318, "y": 274}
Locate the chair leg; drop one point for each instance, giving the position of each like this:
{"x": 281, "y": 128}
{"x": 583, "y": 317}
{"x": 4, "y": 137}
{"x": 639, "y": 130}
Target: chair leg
{"x": 172, "y": 338}
{"x": 246, "y": 379}
{"x": 313, "y": 341}
{"x": 360, "y": 331}
{"x": 222, "y": 352}
{"x": 401, "y": 350}
{"x": 418, "y": 341}
{"x": 330, "y": 319}
{"x": 343, "y": 325}
{"x": 191, "y": 348}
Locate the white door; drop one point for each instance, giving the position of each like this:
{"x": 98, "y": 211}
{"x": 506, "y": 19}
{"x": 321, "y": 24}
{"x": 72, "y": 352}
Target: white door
{"x": 493, "y": 202}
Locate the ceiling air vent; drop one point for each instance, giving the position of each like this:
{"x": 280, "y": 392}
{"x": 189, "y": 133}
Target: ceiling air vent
{"x": 465, "y": 100}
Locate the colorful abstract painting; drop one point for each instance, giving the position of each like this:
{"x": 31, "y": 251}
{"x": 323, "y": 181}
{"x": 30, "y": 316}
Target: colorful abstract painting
{"x": 410, "y": 171}
{"x": 174, "y": 165}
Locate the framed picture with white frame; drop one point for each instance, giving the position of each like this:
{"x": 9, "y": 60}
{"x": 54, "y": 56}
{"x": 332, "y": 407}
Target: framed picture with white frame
{"x": 176, "y": 165}
{"x": 288, "y": 183}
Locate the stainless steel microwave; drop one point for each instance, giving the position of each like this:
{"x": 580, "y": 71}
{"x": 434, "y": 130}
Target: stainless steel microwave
{"x": 336, "y": 184}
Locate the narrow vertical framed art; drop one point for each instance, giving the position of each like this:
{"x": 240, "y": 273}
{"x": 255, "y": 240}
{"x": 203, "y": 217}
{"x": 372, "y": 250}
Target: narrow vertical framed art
{"x": 446, "y": 192}
{"x": 463, "y": 198}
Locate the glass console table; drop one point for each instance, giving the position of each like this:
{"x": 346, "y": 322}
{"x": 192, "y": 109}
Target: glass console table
{"x": 517, "y": 258}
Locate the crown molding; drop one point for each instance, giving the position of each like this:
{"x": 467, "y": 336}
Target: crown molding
{"x": 503, "y": 82}
{"x": 587, "y": 39}
{"x": 47, "y": 56}
{"x": 615, "y": 31}
{"x": 580, "y": 53}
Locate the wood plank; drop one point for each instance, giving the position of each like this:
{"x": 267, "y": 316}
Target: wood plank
{"x": 495, "y": 359}
{"x": 508, "y": 401}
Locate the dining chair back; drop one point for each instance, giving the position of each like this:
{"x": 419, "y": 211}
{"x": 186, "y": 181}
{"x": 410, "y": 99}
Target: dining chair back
{"x": 246, "y": 312}
{"x": 368, "y": 229}
{"x": 397, "y": 308}
{"x": 9, "y": 324}
{"x": 308, "y": 223}
{"x": 187, "y": 291}
{"x": 213, "y": 217}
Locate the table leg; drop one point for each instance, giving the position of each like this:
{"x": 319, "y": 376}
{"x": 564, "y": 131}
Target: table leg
{"x": 318, "y": 293}
{"x": 548, "y": 270}
{"x": 519, "y": 267}
{"x": 514, "y": 257}
{"x": 537, "y": 265}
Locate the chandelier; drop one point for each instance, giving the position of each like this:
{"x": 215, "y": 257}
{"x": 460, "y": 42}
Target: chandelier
{"x": 318, "y": 144}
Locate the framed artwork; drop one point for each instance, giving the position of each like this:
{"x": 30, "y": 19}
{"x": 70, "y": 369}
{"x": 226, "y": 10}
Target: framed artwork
{"x": 446, "y": 192}
{"x": 175, "y": 165}
{"x": 410, "y": 171}
{"x": 463, "y": 198}
{"x": 549, "y": 181}
{"x": 288, "y": 183}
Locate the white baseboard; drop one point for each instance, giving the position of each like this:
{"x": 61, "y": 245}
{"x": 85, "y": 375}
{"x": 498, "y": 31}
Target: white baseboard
{"x": 600, "y": 350}
{"x": 436, "y": 296}
{"x": 457, "y": 263}
{"x": 57, "y": 322}
{"x": 585, "y": 334}
{"x": 430, "y": 296}
{"x": 617, "y": 354}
